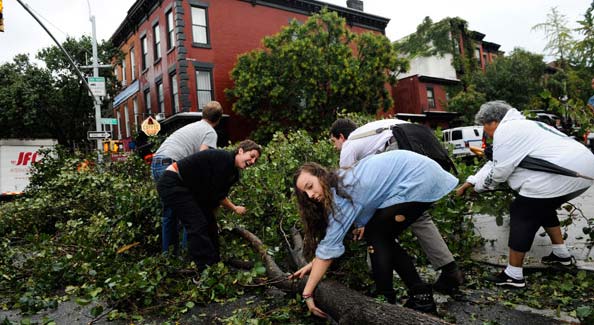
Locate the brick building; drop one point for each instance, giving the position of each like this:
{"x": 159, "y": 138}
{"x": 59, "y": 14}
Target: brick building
{"x": 178, "y": 54}
{"x": 421, "y": 95}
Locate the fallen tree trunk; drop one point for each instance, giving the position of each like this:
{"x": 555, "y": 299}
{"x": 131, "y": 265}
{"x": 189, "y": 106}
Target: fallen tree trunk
{"x": 344, "y": 305}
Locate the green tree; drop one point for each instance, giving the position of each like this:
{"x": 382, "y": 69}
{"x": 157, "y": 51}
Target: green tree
{"x": 25, "y": 97}
{"x": 516, "y": 78}
{"x": 51, "y": 101}
{"x": 310, "y": 71}
{"x": 584, "y": 48}
{"x": 467, "y": 103}
{"x": 560, "y": 42}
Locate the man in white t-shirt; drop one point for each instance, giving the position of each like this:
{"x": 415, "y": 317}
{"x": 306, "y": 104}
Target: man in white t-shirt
{"x": 355, "y": 144}
{"x": 185, "y": 141}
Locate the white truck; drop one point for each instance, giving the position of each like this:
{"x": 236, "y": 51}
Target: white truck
{"x": 16, "y": 157}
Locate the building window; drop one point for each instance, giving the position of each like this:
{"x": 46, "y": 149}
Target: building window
{"x": 199, "y": 25}
{"x": 157, "y": 42}
{"x": 174, "y": 92}
{"x": 485, "y": 59}
{"x": 144, "y": 45}
{"x": 132, "y": 64}
{"x": 119, "y": 117}
{"x": 160, "y": 97}
{"x": 170, "y": 30}
{"x": 430, "y": 97}
{"x": 135, "y": 112}
{"x": 124, "y": 79}
{"x": 147, "y": 102}
{"x": 126, "y": 121}
{"x": 204, "y": 87}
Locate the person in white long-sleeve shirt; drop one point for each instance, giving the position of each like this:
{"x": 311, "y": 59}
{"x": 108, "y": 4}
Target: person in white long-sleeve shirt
{"x": 539, "y": 194}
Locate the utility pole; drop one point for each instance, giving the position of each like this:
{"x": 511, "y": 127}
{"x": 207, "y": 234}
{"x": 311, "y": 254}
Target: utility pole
{"x": 96, "y": 67}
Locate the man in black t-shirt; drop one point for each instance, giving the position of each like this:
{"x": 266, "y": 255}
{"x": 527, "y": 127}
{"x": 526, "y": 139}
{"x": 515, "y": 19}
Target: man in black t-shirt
{"x": 195, "y": 186}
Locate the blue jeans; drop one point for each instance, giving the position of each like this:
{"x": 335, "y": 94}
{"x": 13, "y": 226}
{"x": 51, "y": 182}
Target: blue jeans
{"x": 169, "y": 223}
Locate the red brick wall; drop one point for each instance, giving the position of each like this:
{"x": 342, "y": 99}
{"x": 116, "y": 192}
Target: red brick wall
{"x": 235, "y": 27}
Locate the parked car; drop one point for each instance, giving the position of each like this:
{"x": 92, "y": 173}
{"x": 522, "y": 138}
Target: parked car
{"x": 461, "y": 138}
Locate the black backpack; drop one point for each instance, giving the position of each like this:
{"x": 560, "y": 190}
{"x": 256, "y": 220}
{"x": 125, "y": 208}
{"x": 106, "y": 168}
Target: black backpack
{"x": 421, "y": 139}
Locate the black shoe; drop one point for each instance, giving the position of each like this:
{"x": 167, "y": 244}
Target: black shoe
{"x": 421, "y": 299}
{"x": 502, "y": 279}
{"x": 553, "y": 259}
{"x": 449, "y": 283}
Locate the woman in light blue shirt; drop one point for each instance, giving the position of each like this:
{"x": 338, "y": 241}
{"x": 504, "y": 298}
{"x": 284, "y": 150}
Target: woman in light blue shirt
{"x": 381, "y": 195}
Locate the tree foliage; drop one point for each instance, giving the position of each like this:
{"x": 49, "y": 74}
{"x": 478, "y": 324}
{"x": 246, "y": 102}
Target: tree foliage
{"x": 309, "y": 71}
{"x": 51, "y": 101}
{"x": 92, "y": 236}
{"x": 559, "y": 39}
{"x": 515, "y": 78}
{"x": 467, "y": 104}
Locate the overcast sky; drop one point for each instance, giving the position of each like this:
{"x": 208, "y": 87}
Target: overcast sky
{"x": 505, "y": 22}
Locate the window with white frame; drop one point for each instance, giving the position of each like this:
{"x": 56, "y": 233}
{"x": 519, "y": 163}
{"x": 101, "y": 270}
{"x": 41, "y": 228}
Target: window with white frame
{"x": 430, "y": 97}
{"x": 119, "y": 117}
{"x": 199, "y": 25}
{"x": 124, "y": 79}
{"x": 204, "y": 87}
{"x": 170, "y": 30}
{"x": 160, "y": 97}
{"x": 126, "y": 121}
{"x": 135, "y": 112}
{"x": 157, "y": 42}
{"x": 174, "y": 93}
{"x": 132, "y": 64}
{"x": 144, "y": 46}
{"x": 147, "y": 102}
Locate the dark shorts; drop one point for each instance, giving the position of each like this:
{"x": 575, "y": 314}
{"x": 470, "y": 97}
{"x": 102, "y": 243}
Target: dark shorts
{"x": 527, "y": 215}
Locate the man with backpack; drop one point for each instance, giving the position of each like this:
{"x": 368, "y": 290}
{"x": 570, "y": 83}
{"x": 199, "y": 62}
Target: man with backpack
{"x": 375, "y": 137}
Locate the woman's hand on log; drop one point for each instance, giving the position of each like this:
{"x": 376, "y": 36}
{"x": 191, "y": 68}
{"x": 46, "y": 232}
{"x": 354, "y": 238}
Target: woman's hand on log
{"x": 302, "y": 271}
{"x": 358, "y": 233}
{"x": 311, "y": 305}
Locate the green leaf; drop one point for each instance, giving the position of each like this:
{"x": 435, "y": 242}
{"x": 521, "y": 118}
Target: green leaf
{"x": 584, "y": 311}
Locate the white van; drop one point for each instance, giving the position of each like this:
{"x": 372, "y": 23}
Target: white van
{"x": 463, "y": 137}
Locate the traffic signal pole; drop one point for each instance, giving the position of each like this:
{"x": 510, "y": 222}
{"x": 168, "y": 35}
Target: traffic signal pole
{"x": 96, "y": 74}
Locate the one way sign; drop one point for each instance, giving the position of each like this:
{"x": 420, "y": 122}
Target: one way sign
{"x": 98, "y": 135}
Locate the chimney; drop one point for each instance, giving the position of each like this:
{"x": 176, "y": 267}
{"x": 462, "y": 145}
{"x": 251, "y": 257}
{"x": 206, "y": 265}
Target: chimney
{"x": 355, "y": 4}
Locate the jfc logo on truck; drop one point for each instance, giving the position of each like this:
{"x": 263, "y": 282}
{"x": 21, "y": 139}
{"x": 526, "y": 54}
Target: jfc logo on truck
{"x": 25, "y": 158}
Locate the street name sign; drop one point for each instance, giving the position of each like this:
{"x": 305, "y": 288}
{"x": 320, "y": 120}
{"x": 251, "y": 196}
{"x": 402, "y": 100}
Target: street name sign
{"x": 97, "y": 85}
{"x": 110, "y": 121}
{"x": 98, "y": 135}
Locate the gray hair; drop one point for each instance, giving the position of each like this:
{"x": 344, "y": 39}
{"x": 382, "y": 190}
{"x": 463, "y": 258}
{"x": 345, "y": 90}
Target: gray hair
{"x": 493, "y": 111}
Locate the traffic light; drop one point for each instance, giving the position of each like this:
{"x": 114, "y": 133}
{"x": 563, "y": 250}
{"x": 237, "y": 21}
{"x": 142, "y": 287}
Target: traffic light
{"x": 113, "y": 146}
{"x": 117, "y": 146}
{"x": 1, "y": 18}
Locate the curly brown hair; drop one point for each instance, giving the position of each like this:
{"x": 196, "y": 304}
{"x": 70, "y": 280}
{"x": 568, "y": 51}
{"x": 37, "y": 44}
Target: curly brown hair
{"x": 314, "y": 214}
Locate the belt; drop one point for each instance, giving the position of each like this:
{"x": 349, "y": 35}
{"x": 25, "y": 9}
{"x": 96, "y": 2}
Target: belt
{"x": 163, "y": 160}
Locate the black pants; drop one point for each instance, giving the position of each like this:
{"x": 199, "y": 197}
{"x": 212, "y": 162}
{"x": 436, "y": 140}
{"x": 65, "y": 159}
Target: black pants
{"x": 527, "y": 215}
{"x": 199, "y": 221}
{"x": 386, "y": 253}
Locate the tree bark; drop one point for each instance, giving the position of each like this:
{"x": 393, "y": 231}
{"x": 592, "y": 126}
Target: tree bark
{"x": 344, "y": 305}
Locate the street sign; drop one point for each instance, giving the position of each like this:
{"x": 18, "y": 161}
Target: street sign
{"x": 150, "y": 126}
{"x": 110, "y": 121}
{"x": 97, "y": 85}
{"x": 98, "y": 135}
